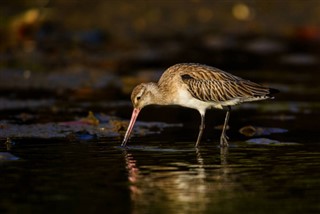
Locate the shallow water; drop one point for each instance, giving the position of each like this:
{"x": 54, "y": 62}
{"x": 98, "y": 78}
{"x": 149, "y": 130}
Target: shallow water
{"x": 158, "y": 177}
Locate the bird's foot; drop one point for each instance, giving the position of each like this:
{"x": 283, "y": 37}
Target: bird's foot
{"x": 224, "y": 140}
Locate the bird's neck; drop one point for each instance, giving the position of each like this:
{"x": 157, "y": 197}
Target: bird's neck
{"x": 158, "y": 95}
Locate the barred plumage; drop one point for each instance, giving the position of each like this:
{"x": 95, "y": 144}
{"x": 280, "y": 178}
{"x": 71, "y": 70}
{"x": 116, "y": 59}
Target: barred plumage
{"x": 213, "y": 85}
{"x": 199, "y": 87}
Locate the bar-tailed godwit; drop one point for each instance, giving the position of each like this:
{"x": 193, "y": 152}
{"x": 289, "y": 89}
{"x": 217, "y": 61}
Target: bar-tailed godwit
{"x": 198, "y": 87}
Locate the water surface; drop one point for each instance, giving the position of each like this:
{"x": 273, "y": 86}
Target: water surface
{"x": 155, "y": 177}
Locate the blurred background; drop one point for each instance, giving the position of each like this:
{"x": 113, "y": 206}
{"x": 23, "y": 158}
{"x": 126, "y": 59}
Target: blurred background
{"x": 96, "y": 38}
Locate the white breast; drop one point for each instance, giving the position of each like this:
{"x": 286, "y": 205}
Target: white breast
{"x": 184, "y": 98}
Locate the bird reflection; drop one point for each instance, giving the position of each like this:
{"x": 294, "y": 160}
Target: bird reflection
{"x": 133, "y": 173}
{"x": 224, "y": 151}
{"x": 178, "y": 182}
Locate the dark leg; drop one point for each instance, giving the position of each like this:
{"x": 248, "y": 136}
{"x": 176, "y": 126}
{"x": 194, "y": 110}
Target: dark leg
{"x": 224, "y": 137}
{"x": 200, "y": 129}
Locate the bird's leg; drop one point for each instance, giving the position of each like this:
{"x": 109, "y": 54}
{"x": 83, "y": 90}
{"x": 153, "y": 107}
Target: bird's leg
{"x": 224, "y": 138}
{"x": 201, "y": 128}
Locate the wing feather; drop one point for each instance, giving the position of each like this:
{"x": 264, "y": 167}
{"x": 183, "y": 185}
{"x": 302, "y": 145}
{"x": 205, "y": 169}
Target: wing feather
{"x": 213, "y": 85}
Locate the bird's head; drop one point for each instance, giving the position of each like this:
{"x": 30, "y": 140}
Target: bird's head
{"x": 141, "y": 96}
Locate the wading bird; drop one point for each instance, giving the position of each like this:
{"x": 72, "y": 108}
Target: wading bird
{"x": 198, "y": 87}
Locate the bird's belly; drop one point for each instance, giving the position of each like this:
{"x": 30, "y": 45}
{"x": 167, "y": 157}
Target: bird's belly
{"x": 184, "y": 98}
{"x": 231, "y": 102}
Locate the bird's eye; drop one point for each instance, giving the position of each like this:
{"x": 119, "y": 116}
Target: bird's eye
{"x": 138, "y": 98}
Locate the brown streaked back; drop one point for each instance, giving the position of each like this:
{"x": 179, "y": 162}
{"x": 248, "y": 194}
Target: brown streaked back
{"x": 210, "y": 84}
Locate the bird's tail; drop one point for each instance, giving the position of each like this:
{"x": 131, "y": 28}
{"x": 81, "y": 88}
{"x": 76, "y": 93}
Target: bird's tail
{"x": 271, "y": 92}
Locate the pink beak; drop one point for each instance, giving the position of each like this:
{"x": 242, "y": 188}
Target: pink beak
{"x": 134, "y": 116}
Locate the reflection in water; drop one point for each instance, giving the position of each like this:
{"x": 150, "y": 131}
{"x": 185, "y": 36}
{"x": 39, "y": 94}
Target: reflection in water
{"x": 168, "y": 185}
{"x": 133, "y": 173}
{"x": 224, "y": 155}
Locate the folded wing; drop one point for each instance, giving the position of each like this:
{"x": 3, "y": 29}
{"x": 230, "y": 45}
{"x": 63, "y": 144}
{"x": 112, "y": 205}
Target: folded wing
{"x": 219, "y": 86}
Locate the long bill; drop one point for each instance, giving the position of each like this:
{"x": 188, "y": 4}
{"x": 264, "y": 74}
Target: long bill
{"x": 134, "y": 116}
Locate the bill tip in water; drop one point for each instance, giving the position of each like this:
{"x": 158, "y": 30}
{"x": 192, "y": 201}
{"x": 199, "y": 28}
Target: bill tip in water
{"x": 123, "y": 144}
